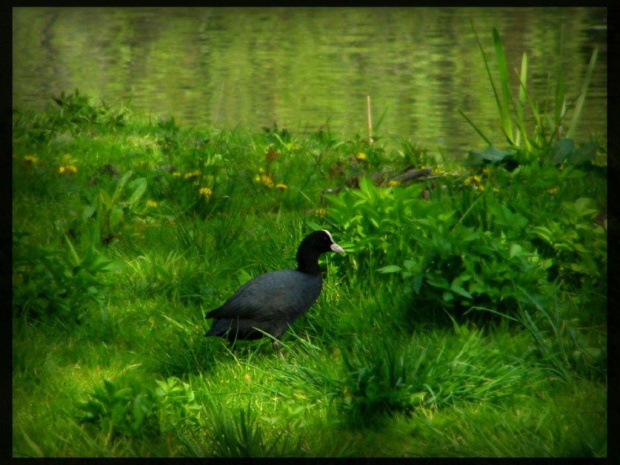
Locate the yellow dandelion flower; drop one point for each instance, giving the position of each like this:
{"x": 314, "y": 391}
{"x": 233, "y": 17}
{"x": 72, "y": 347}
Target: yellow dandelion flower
{"x": 31, "y": 159}
{"x": 321, "y": 212}
{"x": 467, "y": 181}
{"x": 480, "y": 188}
{"x": 151, "y": 203}
{"x": 177, "y": 174}
{"x": 437, "y": 171}
{"x": 495, "y": 189}
{"x": 292, "y": 146}
{"x": 553, "y": 190}
{"x": 281, "y": 186}
{"x": 192, "y": 175}
{"x": 476, "y": 179}
{"x": 393, "y": 182}
{"x": 205, "y": 191}
{"x": 266, "y": 180}
{"x": 67, "y": 169}
{"x": 485, "y": 171}
{"x": 361, "y": 156}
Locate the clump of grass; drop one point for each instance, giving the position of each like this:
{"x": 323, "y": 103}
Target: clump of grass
{"x": 241, "y": 434}
{"x": 385, "y": 377}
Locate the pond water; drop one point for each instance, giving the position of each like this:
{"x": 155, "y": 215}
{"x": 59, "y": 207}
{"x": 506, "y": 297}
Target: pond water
{"x": 303, "y": 68}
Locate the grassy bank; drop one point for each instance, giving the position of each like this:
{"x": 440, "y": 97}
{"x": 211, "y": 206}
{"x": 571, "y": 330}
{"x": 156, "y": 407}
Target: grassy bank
{"x": 468, "y": 317}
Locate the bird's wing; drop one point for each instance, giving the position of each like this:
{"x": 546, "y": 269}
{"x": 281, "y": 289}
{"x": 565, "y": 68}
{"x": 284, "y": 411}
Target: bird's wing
{"x": 269, "y": 296}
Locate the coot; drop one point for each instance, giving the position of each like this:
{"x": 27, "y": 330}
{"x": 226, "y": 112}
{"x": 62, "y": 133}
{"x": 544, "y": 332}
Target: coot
{"x": 272, "y": 301}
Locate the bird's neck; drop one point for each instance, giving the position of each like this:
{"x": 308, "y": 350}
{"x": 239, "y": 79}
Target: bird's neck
{"x": 308, "y": 265}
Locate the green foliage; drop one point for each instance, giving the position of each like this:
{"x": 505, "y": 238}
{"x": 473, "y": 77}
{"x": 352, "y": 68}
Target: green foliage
{"x": 537, "y": 144}
{"x": 371, "y": 221}
{"x": 56, "y": 282}
{"x": 445, "y": 263}
{"x": 110, "y": 210}
{"x": 177, "y": 405}
{"x": 76, "y": 110}
{"x": 121, "y": 411}
{"x": 73, "y": 114}
{"x": 577, "y": 244}
{"x": 566, "y": 350}
{"x": 386, "y": 376}
{"x": 242, "y": 435}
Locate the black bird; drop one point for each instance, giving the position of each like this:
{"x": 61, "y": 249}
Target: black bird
{"x": 272, "y": 301}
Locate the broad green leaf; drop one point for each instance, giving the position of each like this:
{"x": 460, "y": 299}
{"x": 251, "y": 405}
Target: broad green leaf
{"x": 582, "y": 94}
{"x": 417, "y": 282}
{"x": 515, "y": 249}
{"x": 139, "y": 187}
{"x": 120, "y": 186}
{"x": 489, "y": 154}
{"x": 561, "y": 150}
{"x": 460, "y": 290}
{"x": 89, "y": 211}
{"x": 504, "y": 103}
{"x": 116, "y": 216}
{"x": 584, "y": 153}
{"x": 390, "y": 269}
{"x": 74, "y": 254}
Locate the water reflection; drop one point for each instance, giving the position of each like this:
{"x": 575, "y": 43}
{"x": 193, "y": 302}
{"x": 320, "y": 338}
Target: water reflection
{"x": 302, "y": 67}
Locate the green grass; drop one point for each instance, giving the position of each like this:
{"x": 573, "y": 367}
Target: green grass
{"x": 469, "y": 320}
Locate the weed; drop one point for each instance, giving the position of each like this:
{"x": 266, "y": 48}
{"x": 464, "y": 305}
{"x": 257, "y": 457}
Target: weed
{"x": 242, "y": 435}
{"x": 57, "y": 282}
{"x": 110, "y": 209}
{"x": 116, "y": 410}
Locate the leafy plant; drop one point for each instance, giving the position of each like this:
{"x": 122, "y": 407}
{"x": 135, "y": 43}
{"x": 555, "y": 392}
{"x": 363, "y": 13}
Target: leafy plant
{"x": 110, "y": 210}
{"x": 121, "y": 411}
{"x": 50, "y": 281}
{"x": 463, "y": 268}
{"x": 511, "y": 111}
{"x": 177, "y": 403}
{"x": 578, "y": 248}
{"x": 445, "y": 263}
{"x": 372, "y": 220}
{"x": 77, "y": 109}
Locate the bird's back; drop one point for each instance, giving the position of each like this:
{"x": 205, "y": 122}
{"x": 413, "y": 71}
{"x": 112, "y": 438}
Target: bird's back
{"x": 270, "y": 302}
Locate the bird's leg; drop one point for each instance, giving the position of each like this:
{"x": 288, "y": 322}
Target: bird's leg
{"x": 276, "y": 347}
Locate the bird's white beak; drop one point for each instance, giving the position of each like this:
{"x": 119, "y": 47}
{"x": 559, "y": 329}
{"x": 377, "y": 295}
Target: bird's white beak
{"x": 336, "y": 248}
